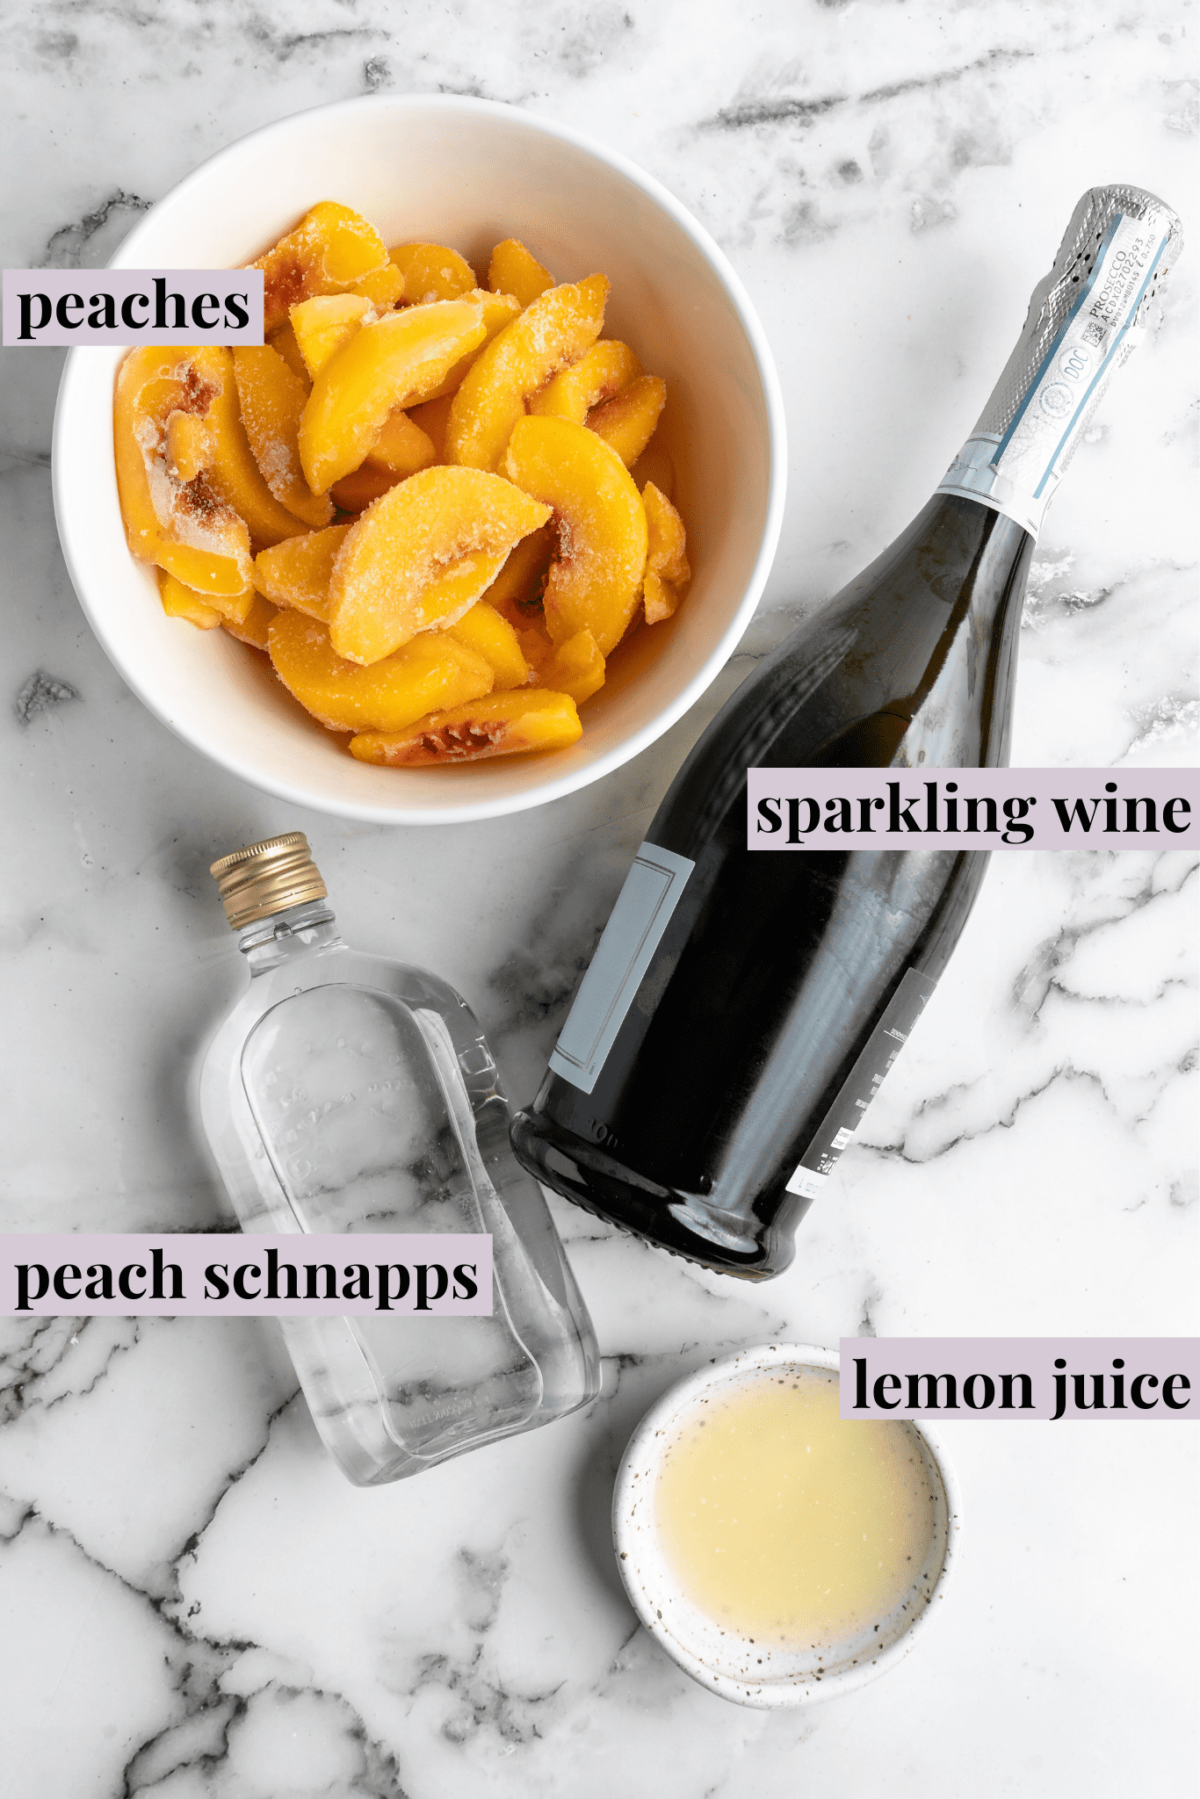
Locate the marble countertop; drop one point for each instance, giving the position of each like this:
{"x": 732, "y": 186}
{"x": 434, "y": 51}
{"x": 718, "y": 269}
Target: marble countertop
{"x": 193, "y": 1603}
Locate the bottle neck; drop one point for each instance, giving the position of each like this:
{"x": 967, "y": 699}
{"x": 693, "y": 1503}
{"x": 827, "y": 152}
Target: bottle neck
{"x": 303, "y": 930}
{"x": 1085, "y": 319}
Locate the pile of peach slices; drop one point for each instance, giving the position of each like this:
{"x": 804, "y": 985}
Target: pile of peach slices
{"x": 414, "y": 496}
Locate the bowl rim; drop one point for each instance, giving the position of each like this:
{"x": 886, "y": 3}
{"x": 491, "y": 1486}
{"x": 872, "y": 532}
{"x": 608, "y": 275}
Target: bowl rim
{"x": 74, "y": 544}
{"x": 641, "y": 1458}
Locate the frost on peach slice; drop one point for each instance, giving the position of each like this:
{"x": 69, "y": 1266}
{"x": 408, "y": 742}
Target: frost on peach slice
{"x": 483, "y": 629}
{"x": 432, "y": 272}
{"x": 430, "y": 672}
{"x": 503, "y": 724}
{"x": 553, "y": 330}
{"x": 322, "y": 325}
{"x": 185, "y": 526}
{"x": 628, "y": 420}
{"x": 394, "y": 575}
{"x": 391, "y": 362}
{"x": 575, "y": 667}
{"x": 599, "y": 374}
{"x": 595, "y": 579}
{"x": 272, "y": 401}
{"x": 517, "y": 271}
{"x": 297, "y": 573}
{"x": 667, "y": 570}
{"x": 330, "y": 249}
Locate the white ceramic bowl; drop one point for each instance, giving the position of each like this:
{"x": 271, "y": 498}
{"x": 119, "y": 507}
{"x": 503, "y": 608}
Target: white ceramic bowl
{"x": 734, "y": 1666}
{"x": 467, "y": 172}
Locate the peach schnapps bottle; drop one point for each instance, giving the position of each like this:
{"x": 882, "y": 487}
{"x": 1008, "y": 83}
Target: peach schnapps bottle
{"x": 346, "y": 1091}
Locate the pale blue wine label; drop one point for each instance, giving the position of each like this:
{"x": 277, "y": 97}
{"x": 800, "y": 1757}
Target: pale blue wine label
{"x": 624, "y": 953}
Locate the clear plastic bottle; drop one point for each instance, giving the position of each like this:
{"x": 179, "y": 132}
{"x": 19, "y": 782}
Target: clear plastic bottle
{"x": 347, "y": 1092}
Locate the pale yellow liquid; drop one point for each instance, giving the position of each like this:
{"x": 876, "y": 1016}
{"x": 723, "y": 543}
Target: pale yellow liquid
{"x": 786, "y": 1523}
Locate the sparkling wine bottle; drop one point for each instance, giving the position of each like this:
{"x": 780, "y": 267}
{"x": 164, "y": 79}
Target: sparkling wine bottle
{"x": 742, "y": 1008}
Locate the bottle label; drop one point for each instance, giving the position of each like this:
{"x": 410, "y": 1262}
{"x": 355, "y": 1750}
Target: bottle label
{"x": 1016, "y": 471}
{"x": 865, "y": 1079}
{"x": 631, "y": 936}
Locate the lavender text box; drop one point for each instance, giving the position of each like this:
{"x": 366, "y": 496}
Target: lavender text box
{"x": 45, "y": 308}
{"x": 972, "y": 808}
{"x": 192, "y": 1292}
{"x": 1019, "y": 1377}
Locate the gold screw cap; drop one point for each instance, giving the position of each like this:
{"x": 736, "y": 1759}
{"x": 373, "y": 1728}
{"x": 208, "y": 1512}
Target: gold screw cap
{"x": 267, "y": 877}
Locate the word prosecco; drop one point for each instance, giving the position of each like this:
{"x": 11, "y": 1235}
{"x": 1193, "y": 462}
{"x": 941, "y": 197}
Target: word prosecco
{"x": 230, "y": 1275}
{"x": 51, "y": 307}
{"x": 1020, "y": 1377}
{"x": 972, "y": 808}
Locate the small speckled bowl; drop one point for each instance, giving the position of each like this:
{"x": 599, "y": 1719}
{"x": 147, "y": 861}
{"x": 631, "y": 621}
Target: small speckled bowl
{"x": 733, "y": 1666}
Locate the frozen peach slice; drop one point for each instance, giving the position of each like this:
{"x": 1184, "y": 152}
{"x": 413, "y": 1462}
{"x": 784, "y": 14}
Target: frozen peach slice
{"x": 517, "y": 271}
{"x": 393, "y": 362}
{"x": 235, "y": 474}
{"x": 667, "y": 567}
{"x": 430, "y": 672}
{"x": 575, "y": 667}
{"x": 536, "y": 648}
{"x": 517, "y": 590}
{"x": 553, "y": 330}
{"x": 189, "y": 446}
{"x": 272, "y": 401}
{"x": 284, "y": 340}
{"x": 322, "y": 325}
{"x": 179, "y": 601}
{"x": 599, "y": 374}
{"x": 184, "y": 526}
{"x": 297, "y": 573}
{"x": 432, "y": 272}
{"x": 385, "y": 585}
{"x": 595, "y": 580}
{"x": 400, "y": 450}
{"x": 401, "y": 447}
{"x": 454, "y": 591}
{"x": 628, "y": 420}
{"x": 503, "y": 724}
{"x": 357, "y": 490}
{"x": 496, "y": 311}
{"x": 384, "y": 287}
{"x": 254, "y": 629}
{"x": 331, "y": 248}
{"x": 659, "y": 599}
{"x": 432, "y": 416}
{"x": 482, "y": 629}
